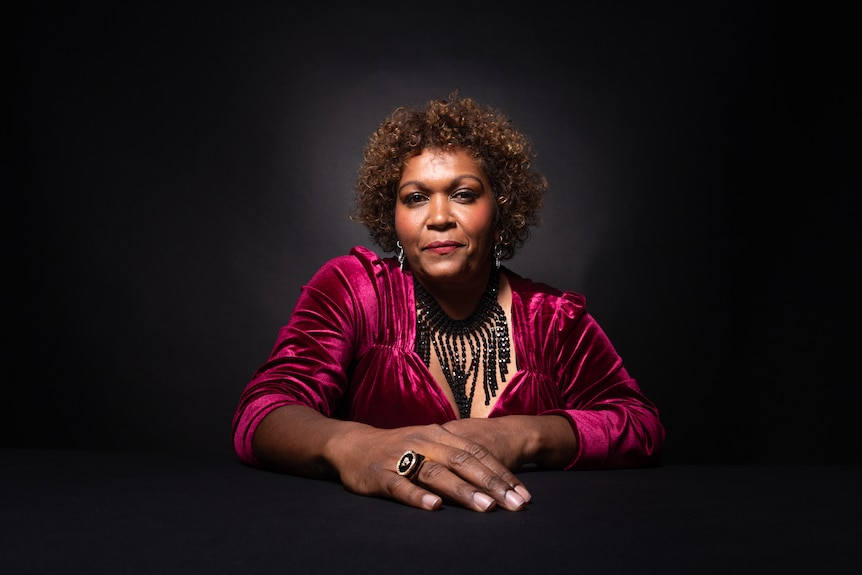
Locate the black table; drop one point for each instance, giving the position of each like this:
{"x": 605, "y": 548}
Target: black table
{"x": 117, "y": 512}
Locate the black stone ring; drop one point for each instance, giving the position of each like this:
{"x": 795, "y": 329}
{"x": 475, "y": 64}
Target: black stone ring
{"x": 409, "y": 464}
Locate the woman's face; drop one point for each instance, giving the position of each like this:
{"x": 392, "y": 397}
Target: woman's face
{"x": 444, "y": 218}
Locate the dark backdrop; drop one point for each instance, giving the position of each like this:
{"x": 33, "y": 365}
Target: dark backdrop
{"x": 175, "y": 172}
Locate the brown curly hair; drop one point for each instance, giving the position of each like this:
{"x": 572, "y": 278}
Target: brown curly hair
{"x": 504, "y": 153}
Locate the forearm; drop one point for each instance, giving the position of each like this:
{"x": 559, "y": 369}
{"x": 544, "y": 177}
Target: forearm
{"x": 299, "y": 440}
{"x": 554, "y": 444}
{"x": 549, "y": 441}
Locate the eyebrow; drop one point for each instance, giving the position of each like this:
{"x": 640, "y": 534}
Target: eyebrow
{"x": 453, "y": 181}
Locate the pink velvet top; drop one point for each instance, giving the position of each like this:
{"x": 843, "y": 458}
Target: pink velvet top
{"x": 347, "y": 351}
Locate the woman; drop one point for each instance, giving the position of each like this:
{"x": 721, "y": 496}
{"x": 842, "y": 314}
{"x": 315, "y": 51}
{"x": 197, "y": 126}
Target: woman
{"x": 438, "y": 374}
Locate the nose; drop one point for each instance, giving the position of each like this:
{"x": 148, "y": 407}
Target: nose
{"x": 439, "y": 214}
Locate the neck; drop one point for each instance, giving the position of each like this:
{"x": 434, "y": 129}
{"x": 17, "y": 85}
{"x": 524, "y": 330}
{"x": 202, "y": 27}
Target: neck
{"x": 458, "y": 299}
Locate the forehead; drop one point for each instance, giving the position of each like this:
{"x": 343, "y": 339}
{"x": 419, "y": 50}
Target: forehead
{"x": 441, "y": 163}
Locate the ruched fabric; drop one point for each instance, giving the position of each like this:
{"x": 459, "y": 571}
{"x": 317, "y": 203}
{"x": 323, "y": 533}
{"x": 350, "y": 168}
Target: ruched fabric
{"x": 347, "y": 352}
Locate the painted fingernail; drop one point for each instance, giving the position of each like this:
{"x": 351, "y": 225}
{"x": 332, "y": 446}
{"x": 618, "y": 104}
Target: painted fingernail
{"x": 483, "y": 500}
{"x": 514, "y": 499}
{"x": 431, "y": 501}
{"x": 523, "y": 492}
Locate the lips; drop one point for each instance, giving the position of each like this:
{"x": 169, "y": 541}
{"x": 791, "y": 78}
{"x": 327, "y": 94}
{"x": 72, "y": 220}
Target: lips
{"x": 442, "y": 247}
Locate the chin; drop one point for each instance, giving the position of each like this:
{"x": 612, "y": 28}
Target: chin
{"x": 447, "y": 272}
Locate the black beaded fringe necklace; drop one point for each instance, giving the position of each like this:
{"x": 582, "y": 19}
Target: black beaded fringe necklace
{"x": 484, "y": 332}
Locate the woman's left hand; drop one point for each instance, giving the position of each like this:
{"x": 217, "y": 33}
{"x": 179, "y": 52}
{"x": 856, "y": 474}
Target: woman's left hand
{"x": 517, "y": 440}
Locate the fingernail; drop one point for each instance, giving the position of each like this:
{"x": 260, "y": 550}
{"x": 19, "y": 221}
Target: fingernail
{"x": 431, "y": 501}
{"x": 524, "y": 493}
{"x": 514, "y": 499}
{"x": 484, "y": 500}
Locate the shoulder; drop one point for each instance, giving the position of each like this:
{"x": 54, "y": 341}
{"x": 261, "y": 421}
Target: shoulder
{"x": 529, "y": 289}
{"x": 541, "y": 300}
{"x": 554, "y": 321}
{"x": 361, "y": 273}
{"x": 359, "y": 261}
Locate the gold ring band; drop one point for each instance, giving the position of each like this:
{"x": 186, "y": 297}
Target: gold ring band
{"x": 409, "y": 464}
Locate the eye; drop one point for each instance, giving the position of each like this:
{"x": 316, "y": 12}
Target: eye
{"x": 464, "y": 195}
{"x": 414, "y": 198}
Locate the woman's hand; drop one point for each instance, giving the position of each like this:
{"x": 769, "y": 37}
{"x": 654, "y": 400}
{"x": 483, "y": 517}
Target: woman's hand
{"x": 455, "y": 468}
{"x": 469, "y": 462}
{"x": 518, "y": 440}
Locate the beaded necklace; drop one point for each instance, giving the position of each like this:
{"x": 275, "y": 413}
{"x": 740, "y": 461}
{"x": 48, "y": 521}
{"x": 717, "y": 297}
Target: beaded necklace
{"x": 485, "y": 333}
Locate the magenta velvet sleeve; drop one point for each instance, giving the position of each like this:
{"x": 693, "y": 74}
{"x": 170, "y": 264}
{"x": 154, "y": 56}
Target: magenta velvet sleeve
{"x": 568, "y": 366}
{"x": 347, "y": 351}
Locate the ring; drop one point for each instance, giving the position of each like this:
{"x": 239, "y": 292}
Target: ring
{"x": 409, "y": 464}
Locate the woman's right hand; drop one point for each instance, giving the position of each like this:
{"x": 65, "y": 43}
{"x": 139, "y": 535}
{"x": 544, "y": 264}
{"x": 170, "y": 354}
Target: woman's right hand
{"x": 454, "y": 469}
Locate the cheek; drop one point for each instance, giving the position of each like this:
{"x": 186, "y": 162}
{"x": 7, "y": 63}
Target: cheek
{"x": 403, "y": 225}
{"x": 481, "y": 222}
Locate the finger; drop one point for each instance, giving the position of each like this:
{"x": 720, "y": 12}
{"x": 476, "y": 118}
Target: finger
{"x": 472, "y": 485}
{"x": 502, "y": 471}
{"x": 475, "y": 465}
{"x": 425, "y": 490}
{"x": 403, "y": 490}
{"x": 476, "y": 449}
{"x": 463, "y": 472}
{"x": 453, "y": 488}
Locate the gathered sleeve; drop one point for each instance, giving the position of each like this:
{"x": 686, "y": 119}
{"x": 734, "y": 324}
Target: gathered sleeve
{"x": 309, "y": 362}
{"x": 572, "y": 359}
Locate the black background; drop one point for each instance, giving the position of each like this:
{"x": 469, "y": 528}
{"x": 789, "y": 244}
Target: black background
{"x": 174, "y": 173}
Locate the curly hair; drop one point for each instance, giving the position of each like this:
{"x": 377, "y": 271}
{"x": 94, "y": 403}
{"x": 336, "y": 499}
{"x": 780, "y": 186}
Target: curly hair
{"x": 504, "y": 153}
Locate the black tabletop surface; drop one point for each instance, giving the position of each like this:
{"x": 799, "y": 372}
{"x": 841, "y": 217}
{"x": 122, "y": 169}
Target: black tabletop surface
{"x": 118, "y": 512}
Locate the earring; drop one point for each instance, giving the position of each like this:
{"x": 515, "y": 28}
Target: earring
{"x": 498, "y": 252}
{"x": 399, "y": 253}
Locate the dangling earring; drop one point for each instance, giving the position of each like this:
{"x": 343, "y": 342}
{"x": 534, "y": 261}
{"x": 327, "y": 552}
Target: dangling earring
{"x": 498, "y": 252}
{"x": 399, "y": 253}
